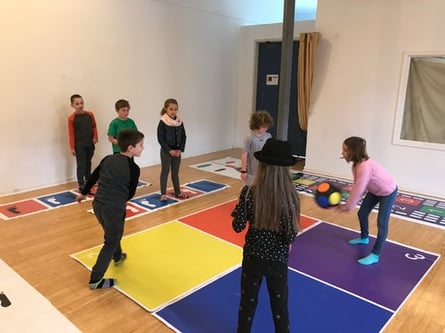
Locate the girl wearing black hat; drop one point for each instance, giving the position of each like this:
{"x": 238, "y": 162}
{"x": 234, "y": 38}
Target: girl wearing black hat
{"x": 272, "y": 208}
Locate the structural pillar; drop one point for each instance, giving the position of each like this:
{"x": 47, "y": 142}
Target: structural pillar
{"x": 287, "y": 45}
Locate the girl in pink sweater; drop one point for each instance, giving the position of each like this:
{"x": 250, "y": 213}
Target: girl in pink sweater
{"x": 380, "y": 188}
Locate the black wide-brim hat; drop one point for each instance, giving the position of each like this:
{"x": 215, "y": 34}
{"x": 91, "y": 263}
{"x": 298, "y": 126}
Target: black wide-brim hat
{"x": 276, "y": 152}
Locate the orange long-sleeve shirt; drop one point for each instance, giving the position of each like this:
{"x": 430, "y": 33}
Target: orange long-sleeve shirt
{"x": 82, "y": 130}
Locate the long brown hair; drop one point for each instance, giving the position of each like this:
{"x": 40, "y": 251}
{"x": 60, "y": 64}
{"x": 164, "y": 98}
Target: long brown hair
{"x": 275, "y": 197}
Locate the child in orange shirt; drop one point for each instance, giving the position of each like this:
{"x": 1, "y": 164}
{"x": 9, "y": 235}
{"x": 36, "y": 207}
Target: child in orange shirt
{"x": 82, "y": 132}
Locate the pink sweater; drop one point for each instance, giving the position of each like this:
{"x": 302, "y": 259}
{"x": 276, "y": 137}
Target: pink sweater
{"x": 369, "y": 176}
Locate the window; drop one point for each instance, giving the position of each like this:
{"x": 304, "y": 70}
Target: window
{"x": 420, "y": 117}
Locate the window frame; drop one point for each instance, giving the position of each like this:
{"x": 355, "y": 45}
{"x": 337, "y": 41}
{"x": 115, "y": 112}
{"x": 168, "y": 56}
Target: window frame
{"x": 400, "y": 108}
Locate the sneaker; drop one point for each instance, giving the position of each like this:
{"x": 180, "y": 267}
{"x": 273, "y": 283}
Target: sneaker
{"x": 181, "y": 196}
{"x": 163, "y": 198}
{"x": 102, "y": 284}
{"x": 121, "y": 260}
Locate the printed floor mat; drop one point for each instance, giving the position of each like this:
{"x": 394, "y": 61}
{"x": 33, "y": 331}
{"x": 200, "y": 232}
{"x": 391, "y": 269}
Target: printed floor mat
{"x": 413, "y": 207}
{"x": 24, "y": 309}
{"x": 187, "y": 273}
{"x": 16, "y": 209}
{"x": 228, "y": 166}
{"x": 151, "y": 202}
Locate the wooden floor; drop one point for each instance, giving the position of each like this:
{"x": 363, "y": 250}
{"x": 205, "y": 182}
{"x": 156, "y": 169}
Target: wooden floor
{"x": 38, "y": 248}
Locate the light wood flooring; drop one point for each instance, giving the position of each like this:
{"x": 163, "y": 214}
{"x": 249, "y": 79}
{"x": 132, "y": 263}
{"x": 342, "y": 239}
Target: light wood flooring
{"x": 38, "y": 248}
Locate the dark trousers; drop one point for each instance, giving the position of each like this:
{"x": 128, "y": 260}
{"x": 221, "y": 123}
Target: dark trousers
{"x": 385, "y": 206}
{"x": 112, "y": 221}
{"x": 169, "y": 162}
{"x": 253, "y": 270}
{"x": 83, "y": 161}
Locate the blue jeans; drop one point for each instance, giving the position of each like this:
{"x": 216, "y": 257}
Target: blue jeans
{"x": 385, "y": 207}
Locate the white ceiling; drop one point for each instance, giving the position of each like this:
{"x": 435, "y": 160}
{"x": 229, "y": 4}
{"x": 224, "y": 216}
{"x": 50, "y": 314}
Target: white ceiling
{"x": 250, "y": 12}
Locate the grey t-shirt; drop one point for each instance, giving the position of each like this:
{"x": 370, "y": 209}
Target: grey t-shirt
{"x": 117, "y": 177}
{"x": 253, "y": 144}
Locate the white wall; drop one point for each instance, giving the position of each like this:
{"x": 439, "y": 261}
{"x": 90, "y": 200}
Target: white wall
{"x": 146, "y": 51}
{"x": 143, "y": 51}
{"x": 247, "y": 68}
{"x": 357, "y": 80}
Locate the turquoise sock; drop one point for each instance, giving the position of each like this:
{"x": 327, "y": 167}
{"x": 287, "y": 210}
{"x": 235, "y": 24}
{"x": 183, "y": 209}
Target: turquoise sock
{"x": 370, "y": 259}
{"x": 359, "y": 240}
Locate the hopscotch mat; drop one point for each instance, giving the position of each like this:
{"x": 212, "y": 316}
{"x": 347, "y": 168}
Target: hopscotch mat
{"x": 13, "y": 210}
{"x": 24, "y": 309}
{"x": 412, "y": 207}
{"x": 148, "y": 203}
{"x": 228, "y": 166}
{"x": 187, "y": 271}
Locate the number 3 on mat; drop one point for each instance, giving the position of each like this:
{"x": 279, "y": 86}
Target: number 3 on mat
{"x": 414, "y": 256}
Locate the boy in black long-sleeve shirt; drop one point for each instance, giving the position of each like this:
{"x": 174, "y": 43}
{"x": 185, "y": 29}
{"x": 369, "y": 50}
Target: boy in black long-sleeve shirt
{"x": 117, "y": 177}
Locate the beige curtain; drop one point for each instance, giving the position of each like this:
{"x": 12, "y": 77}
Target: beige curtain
{"x": 424, "y": 111}
{"x": 306, "y": 61}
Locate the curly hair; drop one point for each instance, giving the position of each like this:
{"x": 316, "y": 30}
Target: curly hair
{"x": 259, "y": 119}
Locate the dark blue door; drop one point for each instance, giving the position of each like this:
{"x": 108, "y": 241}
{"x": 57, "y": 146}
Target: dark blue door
{"x": 269, "y": 62}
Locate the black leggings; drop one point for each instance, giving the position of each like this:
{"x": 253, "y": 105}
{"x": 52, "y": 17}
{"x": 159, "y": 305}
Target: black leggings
{"x": 169, "y": 162}
{"x": 253, "y": 270}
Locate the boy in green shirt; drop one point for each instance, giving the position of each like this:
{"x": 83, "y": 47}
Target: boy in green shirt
{"x": 122, "y": 121}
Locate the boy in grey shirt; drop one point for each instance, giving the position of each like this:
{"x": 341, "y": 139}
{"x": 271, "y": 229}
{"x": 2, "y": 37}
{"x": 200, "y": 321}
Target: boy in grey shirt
{"x": 117, "y": 177}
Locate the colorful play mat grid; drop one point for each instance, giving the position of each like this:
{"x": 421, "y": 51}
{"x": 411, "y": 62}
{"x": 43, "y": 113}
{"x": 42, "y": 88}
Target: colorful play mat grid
{"x": 151, "y": 202}
{"x": 413, "y": 207}
{"x": 186, "y": 272}
{"x": 136, "y": 207}
{"x": 42, "y": 203}
{"x": 417, "y": 208}
{"x": 163, "y": 266}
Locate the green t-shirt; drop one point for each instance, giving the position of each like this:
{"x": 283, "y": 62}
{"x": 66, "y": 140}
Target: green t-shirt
{"x": 116, "y": 126}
